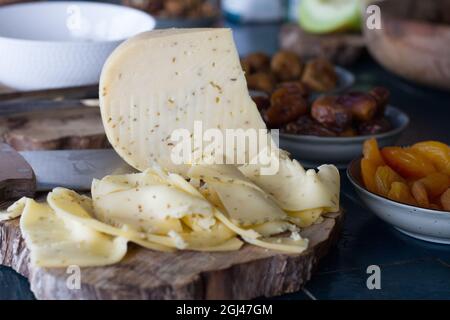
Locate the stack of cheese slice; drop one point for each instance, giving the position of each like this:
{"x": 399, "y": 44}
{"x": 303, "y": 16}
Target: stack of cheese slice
{"x": 152, "y": 85}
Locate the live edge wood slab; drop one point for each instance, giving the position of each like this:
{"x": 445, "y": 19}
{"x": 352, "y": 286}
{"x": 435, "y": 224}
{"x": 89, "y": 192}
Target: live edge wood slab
{"x": 145, "y": 274}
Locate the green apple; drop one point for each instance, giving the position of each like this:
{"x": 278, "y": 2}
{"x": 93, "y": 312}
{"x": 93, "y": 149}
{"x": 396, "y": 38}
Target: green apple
{"x": 326, "y": 16}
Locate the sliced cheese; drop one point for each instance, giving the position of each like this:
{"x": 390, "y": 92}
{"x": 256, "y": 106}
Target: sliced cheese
{"x": 243, "y": 201}
{"x": 165, "y": 80}
{"x": 217, "y": 235}
{"x": 70, "y": 206}
{"x": 244, "y": 233}
{"x": 273, "y": 228}
{"x": 13, "y": 211}
{"x": 57, "y": 242}
{"x": 280, "y": 244}
{"x": 295, "y": 189}
{"x": 306, "y": 218}
{"x": 152, "y": 202}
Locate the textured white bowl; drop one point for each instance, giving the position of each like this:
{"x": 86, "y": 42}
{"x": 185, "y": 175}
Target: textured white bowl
{"x": 62, "y": 44}
{"x": 424, "y": 224}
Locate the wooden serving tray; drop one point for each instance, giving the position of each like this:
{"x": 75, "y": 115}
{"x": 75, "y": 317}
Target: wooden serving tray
{"x": 145, "y": 274}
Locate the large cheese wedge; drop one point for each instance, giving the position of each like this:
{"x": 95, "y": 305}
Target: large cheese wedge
{"x": 165, "y": 80}
{"x": 57, "y": 242}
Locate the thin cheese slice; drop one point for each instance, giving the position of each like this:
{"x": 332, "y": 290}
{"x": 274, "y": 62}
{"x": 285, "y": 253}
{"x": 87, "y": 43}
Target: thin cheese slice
{"x": 165, "y": 80}
{"x": 152, "y": 202}
{"x": 68, "y": 205}
{"x": 243, "y": 201}
{"x": 280, "y": 244}
{"x": 57, "y": 242}
{"x": 295, "y": 189}
{"x": 14, "y": 210}
{"x": 216, "y": 236}
{"x": 306, "y": 218}
{"x": 273, "y": 228}
{"x": 230, "y": 245}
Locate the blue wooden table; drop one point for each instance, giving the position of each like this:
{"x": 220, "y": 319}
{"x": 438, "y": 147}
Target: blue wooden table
{"x": 409, "y": 268}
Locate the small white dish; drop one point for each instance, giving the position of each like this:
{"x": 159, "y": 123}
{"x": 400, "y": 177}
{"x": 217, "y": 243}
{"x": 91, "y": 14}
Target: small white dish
{"x": 62, "y": 44}
{"x": 424, "y": 224}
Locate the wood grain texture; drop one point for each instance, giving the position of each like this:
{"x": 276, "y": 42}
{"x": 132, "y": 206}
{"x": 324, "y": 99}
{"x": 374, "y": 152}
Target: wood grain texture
{"x": 144, "y": 274}
{"x": 74, "y": 128}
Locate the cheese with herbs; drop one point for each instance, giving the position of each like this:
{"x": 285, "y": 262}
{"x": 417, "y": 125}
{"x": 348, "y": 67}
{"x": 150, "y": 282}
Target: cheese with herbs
{"x": 57, "y": 242}
{"x": 165, "y": 80}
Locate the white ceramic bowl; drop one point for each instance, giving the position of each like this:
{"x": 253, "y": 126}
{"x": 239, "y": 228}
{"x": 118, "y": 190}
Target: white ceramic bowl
{"x": 424, "y": 224}
{"x": 62, "y": 44}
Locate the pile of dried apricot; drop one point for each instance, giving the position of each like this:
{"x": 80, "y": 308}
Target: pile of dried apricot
{"x": 418, "y": 175}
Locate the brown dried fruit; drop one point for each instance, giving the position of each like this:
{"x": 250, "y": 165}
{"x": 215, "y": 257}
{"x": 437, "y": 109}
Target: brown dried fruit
{"x": 295, "y": 87}
{"x": 261, "y": 102}
{"x": 306, "y": 125}
{"x": 326, "y": 111}
{"x": 286, "y": 66}
{"x": 261, "y": 81}
{"x": 285, "y": 107}
{"x": 362, "y": 105}
{"x": 319, "y": 75}
{"x": 381, "y": 95}
{"x": 258, "y": 62}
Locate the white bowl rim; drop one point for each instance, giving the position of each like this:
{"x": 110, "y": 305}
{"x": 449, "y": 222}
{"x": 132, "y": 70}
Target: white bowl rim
{"x": 347, "y": 140}
{"x": 357, "y": 185}
{"x": 80, "y": 3}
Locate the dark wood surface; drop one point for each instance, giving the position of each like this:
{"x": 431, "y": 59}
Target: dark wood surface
{"x": 71, "y": 128}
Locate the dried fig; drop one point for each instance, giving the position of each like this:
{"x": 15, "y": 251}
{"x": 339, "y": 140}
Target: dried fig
{"x": 362, "y": 105}
{"x": 326, "y": 111}
{"x": 285, "y": 107}
{"x": 319, "y": 75}
{"x": 261, "y": 81}
{"x": 286, "y": 66}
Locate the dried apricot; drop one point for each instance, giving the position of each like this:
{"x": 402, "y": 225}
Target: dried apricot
{"x": 368, "y": 169}
{"x": 445, "y": 200}
{"x": 408, "y": 163}
{"x": 384, "y": 177}
{"x": 435, "y": 206}
{"x": 437, "y": 152}
{"x": 420, "y": 194}
{"x": 400, "y": 192}
{"x": 372, "y": 152}
{"x": 436, "y": 183}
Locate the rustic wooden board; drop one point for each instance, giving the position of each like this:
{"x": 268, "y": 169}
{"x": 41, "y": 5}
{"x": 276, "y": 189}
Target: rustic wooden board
{"x": 144, "y": 274}
{"x": 71, "y": 128}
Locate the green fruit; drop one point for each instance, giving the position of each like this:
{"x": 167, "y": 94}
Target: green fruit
{"x": 325, "y": 16}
